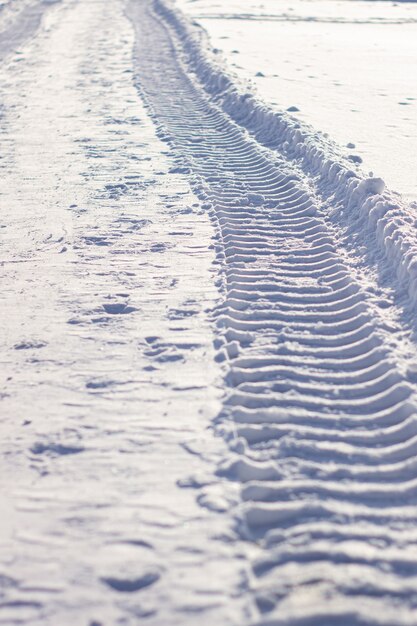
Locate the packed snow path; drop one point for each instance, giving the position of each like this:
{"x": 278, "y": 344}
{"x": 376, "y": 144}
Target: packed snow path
{"x": 110, "y": 376}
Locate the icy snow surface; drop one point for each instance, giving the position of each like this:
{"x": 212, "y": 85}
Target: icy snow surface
{"x": 209, "y": 366}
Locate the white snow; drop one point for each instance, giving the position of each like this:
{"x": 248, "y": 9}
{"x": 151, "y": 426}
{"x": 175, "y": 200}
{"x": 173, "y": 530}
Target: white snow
{"x": 352, "y": 199}
{"x": 109, "y": 381}
{"x": 208, "y": 359}
{"x": 19, "y": 20}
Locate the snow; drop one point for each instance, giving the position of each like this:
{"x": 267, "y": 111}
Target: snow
{"x": 349, "y": 196}
{"x": 345, "y": 67}
{"x": 306, "y": 298}
{"x": 208, "y": 409}
{"x": 19, "y": 19}
{"x": 109, "y": 381}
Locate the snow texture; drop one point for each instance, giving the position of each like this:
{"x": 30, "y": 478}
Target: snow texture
{"x": 320, "y": 413}
{"x": 208, "y": 410}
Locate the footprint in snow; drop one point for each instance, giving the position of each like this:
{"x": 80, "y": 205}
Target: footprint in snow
{"x": 355, "y": 158}
{"x": 164, "y": 353}
{"x": 158, "y": 247}
{"x": 96, "y": 241}
{"x": 132, "y": 223}
{"x": 179, "y": 314}
{"x": 130, "y": 585}
{"x": 55, "y": 449}
{"x": 118, "y": 308}
{"x": 99, "y": 384}
{"x": 29, "y": 345}
{"x": 128, "y": 567}
{"x": 151, "y": 338}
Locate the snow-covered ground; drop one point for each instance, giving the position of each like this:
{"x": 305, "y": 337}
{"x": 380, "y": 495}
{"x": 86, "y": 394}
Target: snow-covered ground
{"x": 109, "y": 381}
{"x": 347, "y": 67}
{"x": 208, "y": 410}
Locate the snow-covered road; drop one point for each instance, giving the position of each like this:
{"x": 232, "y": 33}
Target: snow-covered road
{"x": 209, "y": 369}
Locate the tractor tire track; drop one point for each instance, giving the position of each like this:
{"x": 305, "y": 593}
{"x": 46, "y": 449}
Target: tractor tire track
{"x": 322, "y": 417}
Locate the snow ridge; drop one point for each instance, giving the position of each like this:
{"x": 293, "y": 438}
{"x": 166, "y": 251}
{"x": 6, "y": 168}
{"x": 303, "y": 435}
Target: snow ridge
{"x": 364, "y": 202}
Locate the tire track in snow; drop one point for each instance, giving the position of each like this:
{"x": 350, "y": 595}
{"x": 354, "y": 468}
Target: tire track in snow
{"x": 322, "y": 417}
{"x": 20, "y": 22}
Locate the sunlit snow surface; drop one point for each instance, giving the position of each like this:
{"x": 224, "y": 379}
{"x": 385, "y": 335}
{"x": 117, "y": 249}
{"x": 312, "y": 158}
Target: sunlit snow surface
{"x": 349, "y": 67}
{"x": 208, "y": 366}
